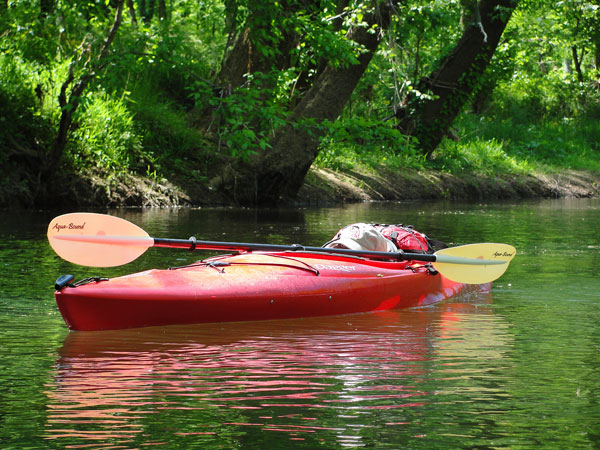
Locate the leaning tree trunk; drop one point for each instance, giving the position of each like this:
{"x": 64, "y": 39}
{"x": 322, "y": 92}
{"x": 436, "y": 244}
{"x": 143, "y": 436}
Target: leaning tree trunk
{"x": 458, "y": 76}
{"x": 277, "y": 174}
{"x": 597, "y": 62}
{"x": 244, "y": 57}
{"x": 69, "y": 102}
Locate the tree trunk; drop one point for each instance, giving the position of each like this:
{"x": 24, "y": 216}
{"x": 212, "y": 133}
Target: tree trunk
{"x": 132, "y": 13}
{"x": 46, "y": 7}
{"x": 69, "y": 103}
{"x": 458, "y": 76}
{"x": 597, "y": 63}
{"x": 162, "y": 10}
{"x": 277, "y": 174}
{"x": 147, "y": 10}
{"x": 245, "y": 56}
{"x": 577, "y": 63}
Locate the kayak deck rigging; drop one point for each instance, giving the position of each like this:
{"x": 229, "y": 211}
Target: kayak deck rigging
{"x": 220, "y": 265}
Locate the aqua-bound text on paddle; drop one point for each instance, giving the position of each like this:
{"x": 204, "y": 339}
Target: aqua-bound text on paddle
{"x": 71, "y": 226}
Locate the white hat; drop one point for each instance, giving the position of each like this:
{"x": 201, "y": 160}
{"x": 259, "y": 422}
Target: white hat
{"x": 361, "y": 236}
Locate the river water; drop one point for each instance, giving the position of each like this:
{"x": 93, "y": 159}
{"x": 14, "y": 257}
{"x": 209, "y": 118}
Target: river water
{"x": 514, "y": 368}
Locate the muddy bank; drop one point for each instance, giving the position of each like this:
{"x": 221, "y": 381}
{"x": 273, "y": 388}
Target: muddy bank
{"x": 321, "y": 187}
{"x": 326, "y": 185}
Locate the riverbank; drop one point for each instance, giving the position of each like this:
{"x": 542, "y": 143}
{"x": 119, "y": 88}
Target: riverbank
{"x": 326, "y": 185}
{"x": 323, "y": 186}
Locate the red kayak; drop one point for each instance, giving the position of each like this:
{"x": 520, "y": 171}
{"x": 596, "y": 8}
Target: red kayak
{"x": 260, "y": 282}
{"x": 252, "y": 286}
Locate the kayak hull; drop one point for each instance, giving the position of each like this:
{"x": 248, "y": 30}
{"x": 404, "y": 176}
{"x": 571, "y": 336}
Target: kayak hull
{"x": 252, "y": 286}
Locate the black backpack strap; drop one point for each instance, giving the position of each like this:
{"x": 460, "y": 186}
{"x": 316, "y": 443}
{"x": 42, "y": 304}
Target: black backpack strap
{"x": 435, "y": 245}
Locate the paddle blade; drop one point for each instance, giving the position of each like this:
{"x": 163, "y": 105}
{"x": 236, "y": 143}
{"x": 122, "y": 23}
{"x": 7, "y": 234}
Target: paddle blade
{"x": 474, "y": 263}
{"x": 97, "y": 240}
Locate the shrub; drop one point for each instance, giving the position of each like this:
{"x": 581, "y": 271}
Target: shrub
{"x": 478, "y": 155}
{"x": 367, "y": 142}
{"x": 106, "y": 135}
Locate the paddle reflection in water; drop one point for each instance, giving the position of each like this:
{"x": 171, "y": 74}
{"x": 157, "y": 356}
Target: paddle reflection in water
{"x": 336, "y": 381}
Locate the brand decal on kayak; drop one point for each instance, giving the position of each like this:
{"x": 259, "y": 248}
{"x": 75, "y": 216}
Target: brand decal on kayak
{"x": 71, "y": 226}
{"x": 337, "y": 267}
{"x": 502, "y": 254}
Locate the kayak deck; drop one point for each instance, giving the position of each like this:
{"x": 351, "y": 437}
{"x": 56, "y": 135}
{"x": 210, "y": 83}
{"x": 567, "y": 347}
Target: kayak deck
{"x": 252, "y": 286}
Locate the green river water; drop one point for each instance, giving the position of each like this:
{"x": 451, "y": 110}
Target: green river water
{"x": 515, "y": 368}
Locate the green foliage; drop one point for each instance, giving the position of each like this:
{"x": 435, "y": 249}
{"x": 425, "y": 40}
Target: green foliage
{"x": 168, "y": 136}
{"x": 159, "y": 100}
{"x": 367, "y": 142}
{"x": 547, "y": 145}
{"x": 416, "y": 37}
{"x": 534, "y": 99}
{"x": 17, "y": 90}
{"x": 162, "y": 57}
{"x": 106, "y": 136}
{"x": 478, "y": 155}
{"x": 23, "y": 119}
{"x": 23, "y": 129}
{"x": 543, "y": 46}
{"x": 303, "y": 33}
{"x": 246, "y": 119}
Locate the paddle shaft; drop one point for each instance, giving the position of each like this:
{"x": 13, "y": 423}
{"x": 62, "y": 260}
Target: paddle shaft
{"x": 249, "y": 247}
{"x": 192, "y": 244}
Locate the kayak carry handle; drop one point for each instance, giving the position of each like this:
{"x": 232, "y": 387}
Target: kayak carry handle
{"x": 62, "y": 281}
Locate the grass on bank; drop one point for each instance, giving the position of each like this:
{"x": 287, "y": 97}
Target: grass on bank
{"x": 484, "y": 146}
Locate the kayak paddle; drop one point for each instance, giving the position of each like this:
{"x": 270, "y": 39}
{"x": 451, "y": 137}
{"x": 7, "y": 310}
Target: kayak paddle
{"x": 100, "y": 240}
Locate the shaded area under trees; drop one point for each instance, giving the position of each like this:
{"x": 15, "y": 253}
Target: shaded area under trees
{"x": 242, "y": 96}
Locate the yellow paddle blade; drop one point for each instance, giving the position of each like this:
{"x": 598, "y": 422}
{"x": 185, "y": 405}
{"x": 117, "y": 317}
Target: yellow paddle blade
{"x": 97, "y": 240}
{"x": 474, "y": 263}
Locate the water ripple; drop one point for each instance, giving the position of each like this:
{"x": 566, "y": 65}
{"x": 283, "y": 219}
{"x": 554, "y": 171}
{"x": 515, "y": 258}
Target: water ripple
{"x": 331, "y": 379}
